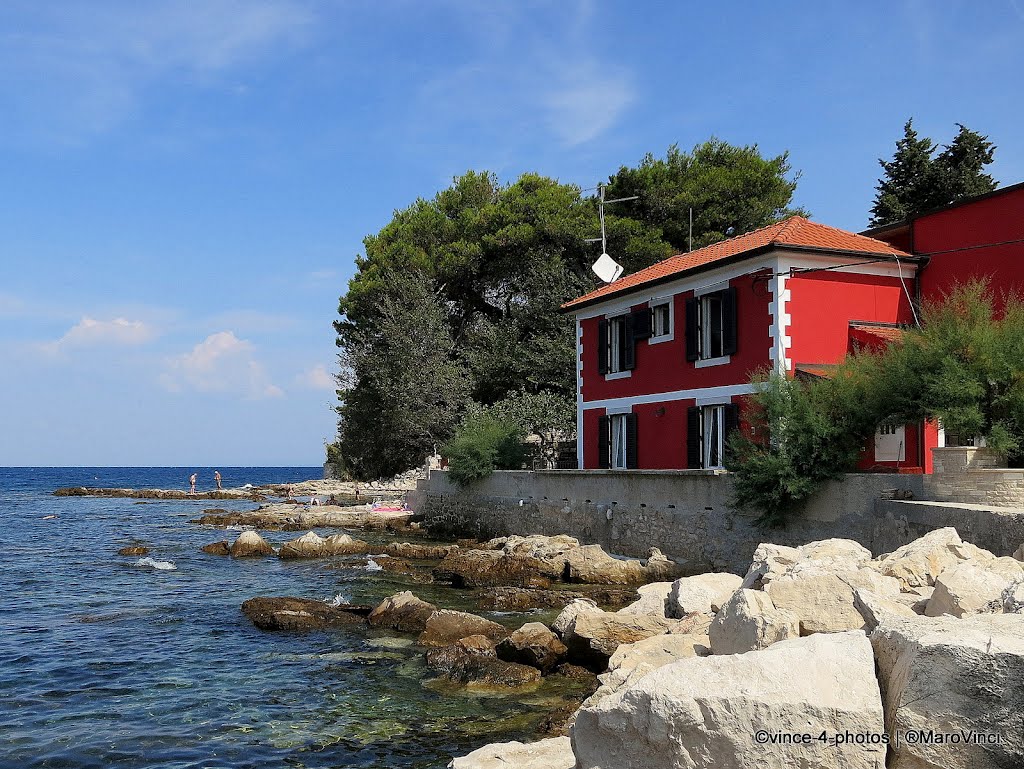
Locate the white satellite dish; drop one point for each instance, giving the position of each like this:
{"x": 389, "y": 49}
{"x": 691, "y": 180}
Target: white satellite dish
{"x": 607, "y": 269}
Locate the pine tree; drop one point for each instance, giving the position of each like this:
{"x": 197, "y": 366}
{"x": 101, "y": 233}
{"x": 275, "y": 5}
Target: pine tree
{"x": 915, "y": 181}
{"x": 904, "y": 187}
{"x": 963, "y": 161}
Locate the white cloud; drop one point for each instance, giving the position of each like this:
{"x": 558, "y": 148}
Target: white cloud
{"x": 89, "y": 332}
{"x": 74, "y": 69}
{"x": 220, "y": 363}
{"x": 587, "y": 103}
{"x": 524, "y": 77}
{"x": 316, "y": 378}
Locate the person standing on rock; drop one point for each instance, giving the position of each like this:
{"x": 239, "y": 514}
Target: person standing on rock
{"x": 192, "y": 483}
{"x": 216, "y": 478}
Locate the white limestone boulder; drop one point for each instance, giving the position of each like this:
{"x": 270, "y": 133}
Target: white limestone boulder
{"x": 566, "y": 619}
{"x": 825, "y": 602}
{"x": 652, "y": 600}
{"x": 919, "y": 563}
{"x": 701, "y": 593}
{"x": 552, "y": 753}
{"x": 973, "y": 587}
{"x": 769, "y": 561}
{"x": 633, "y": 661}
{"x": 948, "y": 676}
{"x": 594, "y": 637}
{"x": 826, "y": 556}
{"x": 873, "y": 608}
{"x": 749, "y": 621}
{"x": 1013, "y": 598}
{"x": 721, "y": 712}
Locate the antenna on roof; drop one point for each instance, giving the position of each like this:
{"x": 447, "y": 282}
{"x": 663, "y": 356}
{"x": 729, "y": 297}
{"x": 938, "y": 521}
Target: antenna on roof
{"x": 606, "y": 268}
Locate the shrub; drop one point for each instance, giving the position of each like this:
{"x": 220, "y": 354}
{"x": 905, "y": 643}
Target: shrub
{"x": 800, "y": 435}
{"x": 483, "y": 444}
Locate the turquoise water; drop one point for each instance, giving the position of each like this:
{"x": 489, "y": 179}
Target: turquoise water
{"x": 109, "y": 661}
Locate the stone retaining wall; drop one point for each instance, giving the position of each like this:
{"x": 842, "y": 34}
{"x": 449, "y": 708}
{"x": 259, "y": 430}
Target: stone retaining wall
{"x": 973, "y": 475}
{"x": 687, "y": 514}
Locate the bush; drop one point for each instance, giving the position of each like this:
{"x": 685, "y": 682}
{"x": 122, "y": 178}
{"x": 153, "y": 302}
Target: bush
{"x": 483, "y": 444}
{"x": 800, "y": 435}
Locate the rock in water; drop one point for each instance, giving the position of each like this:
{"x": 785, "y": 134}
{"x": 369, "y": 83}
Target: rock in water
{"x": 533, "y": 644}
{"x": 288, "y": 613}
{"x": 133, "y": 550}
{"x": 594, "y": 636}
{"x": 217, "y": 548}
{"x": 722, "y": 711}
{"x": 553, "y": 753}
{"x": 947, "y": 676}
{"x": 403, "y": 612}
{"x": 445, "y": 627}
{"x": 249, "y": 543}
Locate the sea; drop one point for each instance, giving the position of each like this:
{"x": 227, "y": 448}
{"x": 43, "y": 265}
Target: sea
{"x": 127, "y": 661}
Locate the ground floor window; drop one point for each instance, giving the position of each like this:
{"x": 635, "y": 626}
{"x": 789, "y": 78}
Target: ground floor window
{"x": 617, "y": 446}
{"x": 708, "y": 429}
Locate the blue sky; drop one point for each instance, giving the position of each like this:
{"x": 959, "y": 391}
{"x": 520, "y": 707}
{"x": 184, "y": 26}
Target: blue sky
{"x": 187, "y": 184}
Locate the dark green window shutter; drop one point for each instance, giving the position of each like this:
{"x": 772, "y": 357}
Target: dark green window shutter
{"x": 628, "y": 343}
{"x": 604, "y": 430}
{"x": 692, "y": 351}
{"x": 602, "y": 346}
{"x": 631, "y": 446}
{"x": 729, "y": 321}
{"x": 642, "y": 322}
{"x": 693, "y": 438}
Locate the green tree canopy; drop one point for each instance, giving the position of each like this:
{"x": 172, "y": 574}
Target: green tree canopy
{"x": 501, "y": 260}
{"x": 917, "y": 179}
{"x": 730, "y": 189}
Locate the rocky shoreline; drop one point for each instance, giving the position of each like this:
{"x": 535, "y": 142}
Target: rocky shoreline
{"x": 819, "y": 655}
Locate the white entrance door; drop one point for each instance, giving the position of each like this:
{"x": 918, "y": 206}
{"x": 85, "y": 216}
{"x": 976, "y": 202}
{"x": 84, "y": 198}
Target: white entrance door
{"x": 891, "y": 443}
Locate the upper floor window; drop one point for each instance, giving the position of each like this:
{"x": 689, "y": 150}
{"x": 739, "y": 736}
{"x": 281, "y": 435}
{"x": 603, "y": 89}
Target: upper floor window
{"x": 614, "y": 345}
{"x": 616, "y": 340}
{"x": 661, "y": 320}
{"x": 711, "y": 325}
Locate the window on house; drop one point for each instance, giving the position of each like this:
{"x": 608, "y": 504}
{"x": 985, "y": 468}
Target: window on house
{"x": 616, "y": 344}
{"x": 617, "y": 446}
{"x": 618, "y": 456}
{"x": 711, "y": 325}
{"x": 661, "y": 320}
{"x": 708, "y": 432}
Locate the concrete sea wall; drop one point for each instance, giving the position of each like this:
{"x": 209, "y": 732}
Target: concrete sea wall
{"x": 687, "y": 514}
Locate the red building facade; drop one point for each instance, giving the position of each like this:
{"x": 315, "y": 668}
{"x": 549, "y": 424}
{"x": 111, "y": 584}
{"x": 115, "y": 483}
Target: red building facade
{"x": 665, "y": 356}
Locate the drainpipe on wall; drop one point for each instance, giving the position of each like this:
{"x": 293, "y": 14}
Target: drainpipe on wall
{"x": 922, "y": 450}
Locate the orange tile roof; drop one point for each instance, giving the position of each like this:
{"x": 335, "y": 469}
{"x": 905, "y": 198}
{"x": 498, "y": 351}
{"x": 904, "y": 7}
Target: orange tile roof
{"x": 795, "y": 232}
{"x": 884, "y": 332}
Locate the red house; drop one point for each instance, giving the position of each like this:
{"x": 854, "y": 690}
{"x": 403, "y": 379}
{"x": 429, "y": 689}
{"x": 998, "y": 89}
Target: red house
{"x": 665, "y": 355}
{"x": 980, "y": 237}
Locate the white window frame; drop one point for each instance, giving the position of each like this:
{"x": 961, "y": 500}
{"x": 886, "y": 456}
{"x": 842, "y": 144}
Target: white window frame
{"x": 618, "y": 441}
{"x": 705, "y": 317}
{"x": 702, "y": 346}
{"x": 670, "y": 332}
{"x": 615, "y": 340}
{"x": 712, "y": 430}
